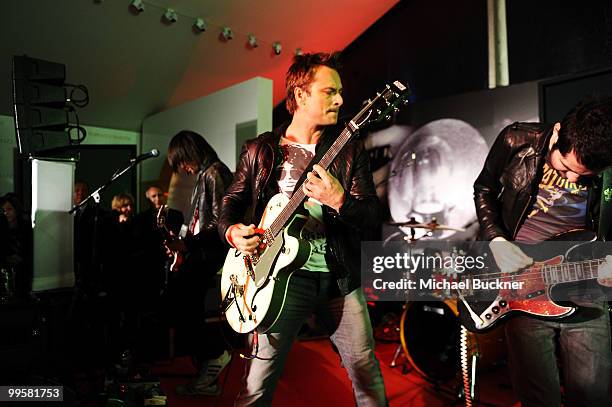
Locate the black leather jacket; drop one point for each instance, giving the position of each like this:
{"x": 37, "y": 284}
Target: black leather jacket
{"x": 255, "y": 182}
{"x": 508, "y": 184}
{"x": 212, "y": 180}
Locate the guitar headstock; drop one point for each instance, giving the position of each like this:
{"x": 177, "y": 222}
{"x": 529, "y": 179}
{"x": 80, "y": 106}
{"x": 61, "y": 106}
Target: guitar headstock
{"x": 161, "y": 216}
{"x": 382, "y": 106}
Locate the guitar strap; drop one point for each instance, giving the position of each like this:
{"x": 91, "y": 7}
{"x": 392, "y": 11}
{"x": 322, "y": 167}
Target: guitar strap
{"x": 605, "y": 210}
{"x": 186, "y": 228}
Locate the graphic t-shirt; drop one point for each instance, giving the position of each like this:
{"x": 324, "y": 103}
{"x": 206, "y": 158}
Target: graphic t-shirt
{"x": 296, "y": 157}
{"x": 560, "y": 206}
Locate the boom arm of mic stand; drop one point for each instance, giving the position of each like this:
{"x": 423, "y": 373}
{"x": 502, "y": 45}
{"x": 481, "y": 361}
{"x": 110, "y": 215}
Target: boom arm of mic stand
{"x": 95, "y": 195}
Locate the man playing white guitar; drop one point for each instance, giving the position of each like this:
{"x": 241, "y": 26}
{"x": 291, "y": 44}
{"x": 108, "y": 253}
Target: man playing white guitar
{"x": 341, "y": 205}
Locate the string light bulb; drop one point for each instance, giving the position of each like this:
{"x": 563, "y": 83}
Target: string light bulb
{"x": 199, "y": 25}
{"x": 170, "y": 15}
{"x": 227, "y": 33}
{"x": 138, "y": 5}
{"x": 253, "y": 41}
{"x": 277, "y": 47}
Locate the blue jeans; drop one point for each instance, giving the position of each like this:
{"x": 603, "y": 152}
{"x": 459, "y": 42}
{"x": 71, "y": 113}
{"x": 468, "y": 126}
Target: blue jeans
{"x": 584, "y": 354}
{"x": 348, "y": 322}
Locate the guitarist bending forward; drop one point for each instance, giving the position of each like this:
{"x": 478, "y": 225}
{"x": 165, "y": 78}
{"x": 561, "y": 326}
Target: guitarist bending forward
{"x": 189, "y": 152}
{"x": 342, "y": 205}
{"x": 539, "y": 181}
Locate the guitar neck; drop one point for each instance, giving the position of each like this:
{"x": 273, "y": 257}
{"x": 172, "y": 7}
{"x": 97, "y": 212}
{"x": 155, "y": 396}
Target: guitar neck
{"x": 298, "y": 197}
{"x": 571, "y": 272}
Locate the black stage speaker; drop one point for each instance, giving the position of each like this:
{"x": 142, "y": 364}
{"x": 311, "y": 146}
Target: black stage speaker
{"x": 39, "y": 100}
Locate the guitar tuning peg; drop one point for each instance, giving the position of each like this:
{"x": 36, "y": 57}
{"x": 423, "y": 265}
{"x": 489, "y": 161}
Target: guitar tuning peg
{"x": 378, "y": 111}
{"x": 388, "y": 117}
{"x": 405, "y": 102}
{"x": 396, "y": 109}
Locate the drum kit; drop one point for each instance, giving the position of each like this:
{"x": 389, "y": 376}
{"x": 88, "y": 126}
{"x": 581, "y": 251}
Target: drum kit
{"x": 430, "y": 178}
{"x": 429, "y": 329}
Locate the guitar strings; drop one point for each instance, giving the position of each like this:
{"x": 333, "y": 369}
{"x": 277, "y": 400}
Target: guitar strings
{"x": 540, "y": 271}
{"x": 550, "y": 268}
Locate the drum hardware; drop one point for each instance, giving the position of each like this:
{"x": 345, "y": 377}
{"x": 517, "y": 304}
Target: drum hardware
{"x": 396, "y": 354}
{"x": 406, "y": 367}
{"x": 434, "y": 352}
{"x": 399, "y": 348}
{"x": 431, "y": 226}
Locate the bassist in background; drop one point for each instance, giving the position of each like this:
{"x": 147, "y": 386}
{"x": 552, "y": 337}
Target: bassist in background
{"x": 151, "y": 255}
{"x": 342, "y": 205}
{"x": 204, "y": 254}
{"x": 539, "y": 181}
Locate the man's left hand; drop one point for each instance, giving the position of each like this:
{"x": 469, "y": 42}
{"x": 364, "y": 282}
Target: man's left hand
{"x": 325, "y": 188}
{"x": 604, "y": 272}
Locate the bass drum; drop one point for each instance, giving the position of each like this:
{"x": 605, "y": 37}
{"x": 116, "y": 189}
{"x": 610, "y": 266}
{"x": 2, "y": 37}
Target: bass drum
{"x": 430, "y": 334}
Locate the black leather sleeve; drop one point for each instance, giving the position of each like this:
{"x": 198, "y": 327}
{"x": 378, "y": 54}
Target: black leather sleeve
{"x": 217, "y": 179}
{"x": 238, "y": 196}
{"x": 361, "y": 207}
{"x": 488, "y": 188}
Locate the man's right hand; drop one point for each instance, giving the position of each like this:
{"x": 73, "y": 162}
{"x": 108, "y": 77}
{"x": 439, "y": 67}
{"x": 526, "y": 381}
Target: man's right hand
{"x": 243, "y": 238}
{"x": 508, "y": 256}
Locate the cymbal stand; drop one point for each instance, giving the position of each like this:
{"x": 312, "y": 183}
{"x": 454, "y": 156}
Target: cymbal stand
{"x": 406, "y": 367}
{"x": 411, "y": 242}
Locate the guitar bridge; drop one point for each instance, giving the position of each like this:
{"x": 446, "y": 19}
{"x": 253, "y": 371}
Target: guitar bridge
{"x": 234, "y": 291}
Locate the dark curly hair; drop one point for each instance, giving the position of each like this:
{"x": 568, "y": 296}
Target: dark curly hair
{"x": 188, "y": 147}
{"x": 302, "y": 71}
{"x": 587, "y": 130}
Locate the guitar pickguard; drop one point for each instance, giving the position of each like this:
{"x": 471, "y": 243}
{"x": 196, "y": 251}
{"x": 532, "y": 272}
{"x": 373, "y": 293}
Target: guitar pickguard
{"x": 534, "y": 298}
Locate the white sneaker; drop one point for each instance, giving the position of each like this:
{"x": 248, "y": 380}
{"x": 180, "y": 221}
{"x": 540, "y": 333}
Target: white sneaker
{"x": 206, "y": 382}
{"x": 213, "y": 368}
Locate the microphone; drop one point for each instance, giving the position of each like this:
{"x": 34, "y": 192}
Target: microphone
{"x": 145, "y": 156}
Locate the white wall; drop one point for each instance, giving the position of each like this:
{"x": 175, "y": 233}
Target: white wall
{"x": 214, "y": 116}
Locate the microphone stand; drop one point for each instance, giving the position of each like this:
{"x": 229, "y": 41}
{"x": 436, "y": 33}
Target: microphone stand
{"x": 94, "y": 264}
{"x": 95, "y": 195}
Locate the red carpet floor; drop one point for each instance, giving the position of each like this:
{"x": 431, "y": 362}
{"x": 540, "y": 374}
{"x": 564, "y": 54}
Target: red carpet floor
{"x": 313, "y": 377}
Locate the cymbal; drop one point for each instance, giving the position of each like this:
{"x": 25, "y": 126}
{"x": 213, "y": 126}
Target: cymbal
{"x": 433, "y": 225}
